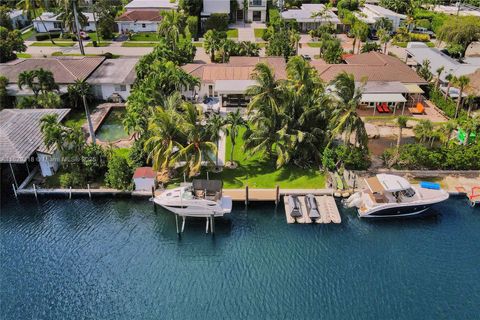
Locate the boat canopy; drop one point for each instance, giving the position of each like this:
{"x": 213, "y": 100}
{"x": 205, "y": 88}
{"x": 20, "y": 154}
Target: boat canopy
{"x": 209, "y": 185}
{"x": 387, "y": 183}
{"x": 393, "y": 183}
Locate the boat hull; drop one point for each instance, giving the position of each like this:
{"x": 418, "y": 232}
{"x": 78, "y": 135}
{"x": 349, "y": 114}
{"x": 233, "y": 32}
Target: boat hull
{"x": 414, "y": 210}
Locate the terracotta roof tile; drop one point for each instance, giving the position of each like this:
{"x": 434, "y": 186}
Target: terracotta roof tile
{"x": 140, "y": 15}
{"x": 144, "y": 172}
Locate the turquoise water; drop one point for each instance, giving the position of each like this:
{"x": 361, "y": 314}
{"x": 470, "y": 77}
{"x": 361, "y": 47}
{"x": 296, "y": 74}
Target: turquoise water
{"x": 112, "y": 128}
{"x": 119, "y": 259}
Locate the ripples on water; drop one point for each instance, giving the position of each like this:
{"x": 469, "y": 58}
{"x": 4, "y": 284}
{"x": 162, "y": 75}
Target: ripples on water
{"x": 119, "y": 259}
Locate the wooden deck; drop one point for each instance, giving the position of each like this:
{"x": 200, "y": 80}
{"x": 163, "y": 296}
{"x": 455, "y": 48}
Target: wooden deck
{"x": 327, "y": 206}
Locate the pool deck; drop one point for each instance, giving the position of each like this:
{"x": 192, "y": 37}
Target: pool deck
{"x": 98, "y": 116}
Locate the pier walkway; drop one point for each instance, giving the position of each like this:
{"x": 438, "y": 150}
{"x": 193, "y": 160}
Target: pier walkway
{"x": 327, "y": 208}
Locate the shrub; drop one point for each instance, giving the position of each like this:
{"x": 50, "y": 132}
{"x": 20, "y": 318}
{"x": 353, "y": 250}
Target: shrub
{"x": 274, "y": 17}
{"x": 94, "y": 161}
{"x": 44, "y": 36}
{"x": 351, "y": 5}
{"x": 448, "y": 106}
{"x": 68, "y": 180}
{"x": 418, "y": 37}
{"x": 192, "y": 24}
{"x": 119, "y": 173}
{"x": 424, "y": 23}
{"x": 353, "y": 158}
{"x": 217, "y": 21}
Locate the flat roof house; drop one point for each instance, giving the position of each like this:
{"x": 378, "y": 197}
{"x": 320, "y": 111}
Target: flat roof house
{"x": 306, "y": 19}
{"x": 21, "y": 142}
{"x": 372, "y": 13}
{"x": 53, "y": 22}
{"x": 66, "y": 70}
{"x": 18, "y": 18}
{"x": 113, "y": 78}
{"x": 254, "y": 11}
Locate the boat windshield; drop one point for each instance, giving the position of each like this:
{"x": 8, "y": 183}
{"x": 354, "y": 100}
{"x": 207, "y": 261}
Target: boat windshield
{"x": 408, "y": 192}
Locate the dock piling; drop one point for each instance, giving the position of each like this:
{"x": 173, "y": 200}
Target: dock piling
{"x": 277, "y": 195}
{"x": 70, "y": 193}
{"x": 89, "y": 192}
{"x": 246, "y": 195}
{"x": 206, "y": 225}
{"x": 183, "y": 224}
{"x": 176, "y": 223}
{"x": 153, "y": 192}
{"x": 14, "y": 191}
{"x": 212, "y": 224}
{"x": 35, "y": 191}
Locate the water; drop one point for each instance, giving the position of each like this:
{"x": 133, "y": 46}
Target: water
{"x": 119, "y": 259}
{"x": 112, "y": 128}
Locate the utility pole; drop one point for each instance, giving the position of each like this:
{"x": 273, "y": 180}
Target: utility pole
{"x": 77, "y": 26}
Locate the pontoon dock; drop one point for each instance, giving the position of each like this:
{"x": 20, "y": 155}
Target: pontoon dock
{"x": 327, "y": 207}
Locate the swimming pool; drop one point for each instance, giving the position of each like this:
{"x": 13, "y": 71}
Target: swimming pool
{"x": 111, "y": 129}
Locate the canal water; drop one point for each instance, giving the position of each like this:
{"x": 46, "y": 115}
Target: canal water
{"x": 121, "y": 259}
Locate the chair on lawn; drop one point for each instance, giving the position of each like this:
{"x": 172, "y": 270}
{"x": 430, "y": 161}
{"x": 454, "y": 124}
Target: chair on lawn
{"x": 418, "y": 109}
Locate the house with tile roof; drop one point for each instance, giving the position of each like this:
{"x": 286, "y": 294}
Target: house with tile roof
{"x": 227, "y": 82}
{"x": 53, "y": 22}
{"x": 65, "y": 70}
{"x": 143, "y": 15}
{"x": 21, "y": 142}
{"x": 308, "y": 16}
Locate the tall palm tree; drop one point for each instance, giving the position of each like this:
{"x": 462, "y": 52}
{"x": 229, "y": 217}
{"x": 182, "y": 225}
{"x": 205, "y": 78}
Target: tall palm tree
{"x": 424, "y": 130}
{"x": 470, "y": 101}
{"x": 451, "y": 79}
{"x": 46, "y": 81}
{"x": 73, "y": 19}
{"x": 468, "y": 125}
{"x": 384, "y": 37}
{"x": 198, "y": 148}
{"x": 171, "y": 26}
{"x": 164, "y": 139}
{"x": 53, "y": 133}
{"x": 448, "y": 129}
{"x": 345, "y": 117}
{"x": 461, "y": 82}
{"x": 214, "y": 128}
{"x": 439, "y": 72}
{"x": 402, "y": 123}
{"x": 234, "y": 121}
{"x": 33, "y": 10}
{"x": 360, "y": 31}
{"x": 82, "y": 89}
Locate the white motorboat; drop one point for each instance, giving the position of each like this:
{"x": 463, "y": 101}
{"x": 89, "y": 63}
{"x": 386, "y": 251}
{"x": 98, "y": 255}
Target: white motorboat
{"x": 201, "y": 198}
{"x": 387, "y": 196}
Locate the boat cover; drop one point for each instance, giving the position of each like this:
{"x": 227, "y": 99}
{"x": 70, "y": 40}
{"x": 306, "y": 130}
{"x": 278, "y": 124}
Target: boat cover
{"x": 209, "y": 185}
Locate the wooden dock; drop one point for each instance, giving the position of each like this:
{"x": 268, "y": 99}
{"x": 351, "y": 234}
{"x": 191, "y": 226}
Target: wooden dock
{"x": 327, "y": 207}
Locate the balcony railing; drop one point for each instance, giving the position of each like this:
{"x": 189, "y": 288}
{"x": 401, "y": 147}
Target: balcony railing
{"x": 257, "y": 3}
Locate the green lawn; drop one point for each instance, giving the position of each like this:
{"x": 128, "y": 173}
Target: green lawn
{"x": 198, "y": 44}
{"x": 145, "y": 36}
{"x": 29, "y": 34}
{"x": 133, "y": 44}
{"x": 100, "y": 44}
{"x": 49, "y": 44}
{"x": 257, "y": 173}
{"x": 259, "y": 32}
{"x": 232, "y": 33}
{"x": 23, "y": 55}
{"x": 314, "y": 44}
{"x": 93, "y": 36}
{"x": 60, "y": 54}
{"x": 76, "y": 117}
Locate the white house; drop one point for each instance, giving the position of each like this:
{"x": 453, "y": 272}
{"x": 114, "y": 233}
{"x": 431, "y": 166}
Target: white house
{"x": 53, "y": 22}
{"x": 142, "y": 20}
{"x": 371, "y": 13}
{"x": 21, "y": 141}
{"x": 309, "y": 16}
{"x": 256, "y": 10}
{"x": 144, "y": 179}
{"x": 19, "y": 19}
{"x": 114, "y": 77}
{"x": 151, "y": 5}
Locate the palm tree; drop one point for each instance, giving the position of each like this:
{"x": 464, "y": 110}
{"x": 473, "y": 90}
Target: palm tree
{"x": 384, "y": 23}
{"x": 27, "y": 78}
{"x": 46, "y": 81}
{"x": 360, "y": 31}
{"x": 31, "y": 7}
{"x": 198, "y": 148}
{"x": 451, "y": 79}
{"x": 214, "y": 127}
{"x": 53, "y": 132}
{"x": 164, "y": 139}
{"x": 213, "y": 42}
{"x": 461, "y": 82}
{"x": 424, "y": 130}
{"x": 468, "y": 125}
{"x": 345, "y": 117}
{"x": 470, "y": 101}
{"x": 82, "y": 89}
{"x": 263, "y": 110}
{"x": 384, "y": 37}
{"x": 73, "y": 19}
{"x": 439, "y": 74}
{"x": 171, "y": 26}
{"x": 402, "y": 123}
{"x": 424, "y": 70}
{"x": 448, "y": 129}
{"x": 234, "y": 121}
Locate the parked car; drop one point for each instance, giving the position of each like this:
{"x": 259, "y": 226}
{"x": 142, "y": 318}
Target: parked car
{"x": 307, "y": 57}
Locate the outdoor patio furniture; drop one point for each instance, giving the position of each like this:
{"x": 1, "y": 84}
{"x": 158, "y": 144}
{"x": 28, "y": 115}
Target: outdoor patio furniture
{"x": 419, "y": 109}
